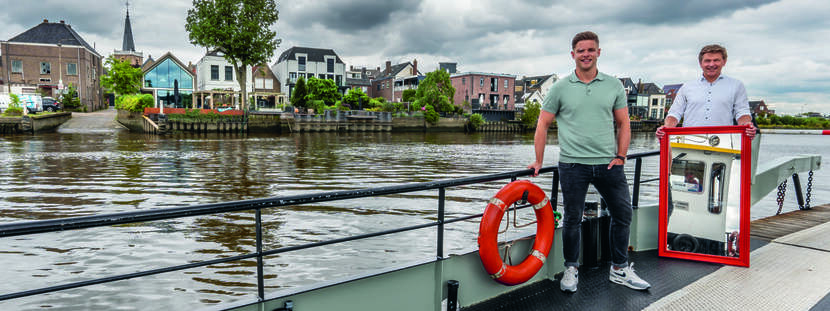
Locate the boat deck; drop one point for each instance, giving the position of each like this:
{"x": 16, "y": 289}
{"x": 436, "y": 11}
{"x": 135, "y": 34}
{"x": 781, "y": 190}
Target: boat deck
{"x": 789, "y": 270}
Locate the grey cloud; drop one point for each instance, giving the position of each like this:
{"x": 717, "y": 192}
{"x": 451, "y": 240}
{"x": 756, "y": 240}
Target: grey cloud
{"x": 345, "y": 15}
{"x": 676, "y": 11}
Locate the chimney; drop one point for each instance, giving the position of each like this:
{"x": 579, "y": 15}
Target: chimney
{"x": 62, "y": 22}
{"x": 45, "y": 20}
{"x": 639, "y": 85}
{"x": 414, "y": 67}
{"x": 388, "y": 67}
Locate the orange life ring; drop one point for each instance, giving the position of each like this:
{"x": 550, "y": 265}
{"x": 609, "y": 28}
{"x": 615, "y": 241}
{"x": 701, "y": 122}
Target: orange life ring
{"x": 488, "y": 248}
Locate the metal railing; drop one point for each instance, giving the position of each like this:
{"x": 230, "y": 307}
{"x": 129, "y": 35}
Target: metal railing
{"x": 75, "y": 223}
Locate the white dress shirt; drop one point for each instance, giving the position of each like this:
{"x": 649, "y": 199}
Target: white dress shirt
{"x": 701, "y": 103}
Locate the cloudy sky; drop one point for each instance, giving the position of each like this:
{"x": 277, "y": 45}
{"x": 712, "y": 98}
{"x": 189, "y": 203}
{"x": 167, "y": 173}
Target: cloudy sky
{"x": 780, "y": 49}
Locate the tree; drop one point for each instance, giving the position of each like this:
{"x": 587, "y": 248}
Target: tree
{"x": 531, "y": 113}
{"x": 408, "y": 96}
{"x": 322, "y": 89}
{"x": 299, "y": 93}
{"x": 436, "y": 90}
{"x": 356, "y": 99}
{"x": 121, "y": 77}
{"x": 239, "y": 29}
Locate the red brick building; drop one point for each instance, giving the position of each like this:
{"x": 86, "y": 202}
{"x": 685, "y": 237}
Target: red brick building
{"x": 484, "y": 91}
{"x": 46, "y": 59}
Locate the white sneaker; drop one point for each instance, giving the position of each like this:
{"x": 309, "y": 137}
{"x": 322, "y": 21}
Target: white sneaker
{"x": 627, "y": 277}
{"x": 569, "y": 280}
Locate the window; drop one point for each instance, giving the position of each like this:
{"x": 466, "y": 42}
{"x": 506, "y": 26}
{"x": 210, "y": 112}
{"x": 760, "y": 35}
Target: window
{"x": 687, "y": 175}
{"x": 463, "y": 80}
{"x": 506, "y": 101}
{"x": 481, "y": 82}
{"x": 72, "y": 69}
{"x": 269, "y": 84}
{"x": 378, "y": 86}
{"x": 45, "y": 68}
{"x": 17, "y": 66}
{"x": 292, "y": 77}
{"x": 321, "y": 76}
{"x": 494, "y": 85}
{"x": 228, "y": 73}
{"x": 214, "y": 72}
{"x": 505, "y": 84}
{"x": 716, "y": 195}
{"x": 330, "y": 65}
{"x": 338, "y": 80}
{"x": 654, "y": 102}
{"x": 300, "y": 63}
{"x": 330, "y": 77}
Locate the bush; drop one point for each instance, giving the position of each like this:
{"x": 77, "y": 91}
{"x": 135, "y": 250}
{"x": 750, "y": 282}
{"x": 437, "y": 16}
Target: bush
{"x": 475, "y": 120}
{"x": 531, "y": 113}
{"x": 134, "y": 103}
{"x": 430, "y": 115}
{"x": 14, "y": 106}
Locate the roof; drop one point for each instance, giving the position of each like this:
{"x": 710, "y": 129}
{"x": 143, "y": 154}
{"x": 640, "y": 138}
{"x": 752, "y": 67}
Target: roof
{"x": 171, "y": 57}
{"x": 53, "y": 33}
{"x": 651, "y": 88}
{"x": 128, "y": 44}
{"x": 365, "y": 82}
{"x": 394, "y": 70}
{"x": 313, "y": 54}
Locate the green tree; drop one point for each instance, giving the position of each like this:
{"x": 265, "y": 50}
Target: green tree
{"x": 241, "y": 29}
{"x": 476, "y": 120}
{"x": 356, "y": 99}
{"x": 436, "y": 90}
{"x": 70, "y": 98}
{"x": 121, "y": 77}
{"x": 299, "y": 93}
{"x": 408, "y": 95}
{"x": 322, "y": 89}
{"x": 531, "y": 113}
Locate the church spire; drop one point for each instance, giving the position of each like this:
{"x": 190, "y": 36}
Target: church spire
{"x": 128, "y": 44}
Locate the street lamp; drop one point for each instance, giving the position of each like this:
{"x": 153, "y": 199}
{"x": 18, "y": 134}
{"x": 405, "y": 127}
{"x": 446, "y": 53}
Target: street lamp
{"x": 60, "y": 65}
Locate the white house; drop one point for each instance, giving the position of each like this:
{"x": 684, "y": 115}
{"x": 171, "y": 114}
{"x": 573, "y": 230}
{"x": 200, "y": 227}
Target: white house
{"x": 214, "y": 72}
{"x": 309, "y": 62}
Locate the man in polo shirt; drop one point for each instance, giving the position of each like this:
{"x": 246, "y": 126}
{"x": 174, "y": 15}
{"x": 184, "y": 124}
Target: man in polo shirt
{"x": 711, "y": 100}
{"x": 587, "y": 105}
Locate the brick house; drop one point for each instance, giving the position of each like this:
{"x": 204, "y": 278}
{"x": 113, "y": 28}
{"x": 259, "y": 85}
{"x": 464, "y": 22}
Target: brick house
{"x": 393, "y": 80}
{"x": 48, "y": 57}
{"x": 484, "y": 91}
{"x": 267, "y": 88}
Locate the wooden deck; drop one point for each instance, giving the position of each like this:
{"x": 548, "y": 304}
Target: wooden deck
{"x": 774, "y": 227}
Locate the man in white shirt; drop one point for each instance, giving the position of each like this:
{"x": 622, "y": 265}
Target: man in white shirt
{"x": 711, "y": 100}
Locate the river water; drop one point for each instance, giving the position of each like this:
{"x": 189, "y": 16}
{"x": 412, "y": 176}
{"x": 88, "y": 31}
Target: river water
{"x": 59, "y": 175}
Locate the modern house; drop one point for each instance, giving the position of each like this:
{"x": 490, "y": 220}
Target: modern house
{"x": 214, "y": 72}
{"x": 170, "y": 82}
{"x": 484, "y": 91}
{"x": 651, "y": 101}
{"x": 47, "y": 58}
{"x": 309, "y": 62}
{"x": 393, "y": 80}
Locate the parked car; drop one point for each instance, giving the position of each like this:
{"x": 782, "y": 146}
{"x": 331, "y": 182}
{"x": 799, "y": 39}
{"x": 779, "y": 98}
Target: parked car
{"x": 51, "y": 104}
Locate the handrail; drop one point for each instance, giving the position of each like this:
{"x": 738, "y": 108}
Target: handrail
{"x": 83, "y": 222}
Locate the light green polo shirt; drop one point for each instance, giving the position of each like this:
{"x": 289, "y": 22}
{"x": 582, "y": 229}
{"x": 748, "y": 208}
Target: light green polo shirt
{"x": 585, "y": 117}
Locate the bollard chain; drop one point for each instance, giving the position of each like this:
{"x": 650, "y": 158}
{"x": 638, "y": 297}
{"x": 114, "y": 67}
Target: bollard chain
{"x": 809, "y": 188}
{"x": 782, "y": 189}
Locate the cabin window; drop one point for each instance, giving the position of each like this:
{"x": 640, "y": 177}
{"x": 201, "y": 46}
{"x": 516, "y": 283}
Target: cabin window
{"x": 716, "y": 195}
{"x": 687, "y": 175}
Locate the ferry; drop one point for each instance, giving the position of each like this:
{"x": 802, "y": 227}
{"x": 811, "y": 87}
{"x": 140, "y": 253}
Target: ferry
{"x": 788, "y": 271}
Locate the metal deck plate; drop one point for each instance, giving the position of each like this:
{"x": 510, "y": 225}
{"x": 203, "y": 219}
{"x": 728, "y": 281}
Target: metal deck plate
{"x": 791, "y": 276}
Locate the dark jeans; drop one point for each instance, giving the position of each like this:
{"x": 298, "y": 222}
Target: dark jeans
{"x": 613, "y": 187}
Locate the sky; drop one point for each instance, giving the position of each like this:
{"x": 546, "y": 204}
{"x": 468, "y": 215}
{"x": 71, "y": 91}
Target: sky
{"x": 779, "y": 49}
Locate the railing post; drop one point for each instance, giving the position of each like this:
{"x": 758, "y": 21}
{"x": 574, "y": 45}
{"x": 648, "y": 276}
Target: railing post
{"x": 799, "y": 196}
{"x": 554, "y": 191}
{"x": 635, "y": 195}
{"x": 259, "y": 274}
{"x": 441, "y": 195}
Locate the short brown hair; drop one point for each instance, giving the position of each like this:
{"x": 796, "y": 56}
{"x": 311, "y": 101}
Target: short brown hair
{"x": 585, "y": 35}
{"x": 712, "y": 48}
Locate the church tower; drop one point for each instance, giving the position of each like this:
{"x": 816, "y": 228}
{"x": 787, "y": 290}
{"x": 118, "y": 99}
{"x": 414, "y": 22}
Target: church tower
{"x": 127, "y": 51}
